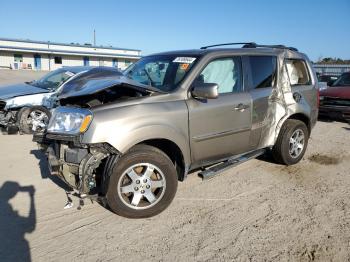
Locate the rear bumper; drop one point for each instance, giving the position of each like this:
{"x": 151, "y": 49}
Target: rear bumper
{"x": 336, "y": 112}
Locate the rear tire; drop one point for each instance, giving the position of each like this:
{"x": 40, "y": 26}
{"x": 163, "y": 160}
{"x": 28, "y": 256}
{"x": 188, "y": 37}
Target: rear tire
{"x": 291, "y": 143}
{"x": 143, "y": 183}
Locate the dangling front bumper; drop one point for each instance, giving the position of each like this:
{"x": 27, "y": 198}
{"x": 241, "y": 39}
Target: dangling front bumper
{"x": 81, "y": 166}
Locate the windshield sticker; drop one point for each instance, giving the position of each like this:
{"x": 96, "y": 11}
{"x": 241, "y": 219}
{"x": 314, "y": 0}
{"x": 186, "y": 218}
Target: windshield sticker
{"x": 69, "y": 73}
{"x": 184, "y": 66}
{"x": 184, "y": 60}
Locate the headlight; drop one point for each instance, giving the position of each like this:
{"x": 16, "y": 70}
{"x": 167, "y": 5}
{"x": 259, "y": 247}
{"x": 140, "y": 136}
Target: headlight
{"x": 69, "y": 120}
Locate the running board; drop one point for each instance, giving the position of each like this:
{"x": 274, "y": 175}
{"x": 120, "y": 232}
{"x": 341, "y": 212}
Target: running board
{"x": 231, "y": 162}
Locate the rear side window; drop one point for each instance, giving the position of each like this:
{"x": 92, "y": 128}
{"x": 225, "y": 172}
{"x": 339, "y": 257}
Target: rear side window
{"x": 297, "y": 72}
{"x": 263, "y": 71}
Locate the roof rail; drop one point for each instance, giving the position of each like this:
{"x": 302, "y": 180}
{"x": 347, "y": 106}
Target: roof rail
{"x": 252, "y": 45}
{"x": 246, "y": 43}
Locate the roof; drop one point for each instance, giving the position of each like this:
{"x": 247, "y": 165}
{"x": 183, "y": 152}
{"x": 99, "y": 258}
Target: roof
{"x": 65, "y": 44}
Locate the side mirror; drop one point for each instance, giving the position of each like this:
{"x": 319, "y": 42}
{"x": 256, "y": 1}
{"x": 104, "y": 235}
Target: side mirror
{"x": 205, "y": 90}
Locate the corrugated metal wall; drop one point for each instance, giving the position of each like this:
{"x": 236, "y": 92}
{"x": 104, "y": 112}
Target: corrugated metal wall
{"x": 331, "y": 69}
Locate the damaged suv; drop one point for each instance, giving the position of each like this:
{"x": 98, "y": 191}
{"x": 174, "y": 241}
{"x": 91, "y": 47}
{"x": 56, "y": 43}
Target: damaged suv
{"x": 128, "y": 140}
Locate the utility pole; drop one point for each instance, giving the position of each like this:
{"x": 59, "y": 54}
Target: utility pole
{"x": 94, "y": 37}
{"x": 49, "y": 56}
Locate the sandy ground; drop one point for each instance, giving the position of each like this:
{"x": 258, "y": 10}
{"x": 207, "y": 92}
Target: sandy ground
{"x": 258, "y": 211}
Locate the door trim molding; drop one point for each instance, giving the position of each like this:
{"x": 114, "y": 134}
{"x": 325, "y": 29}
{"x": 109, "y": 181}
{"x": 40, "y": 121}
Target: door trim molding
{"x": 219, "y": 134}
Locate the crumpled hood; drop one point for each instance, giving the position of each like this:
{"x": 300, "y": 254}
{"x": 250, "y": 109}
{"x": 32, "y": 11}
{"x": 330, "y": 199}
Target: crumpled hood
{"x": 83, "y": 86}
{"x": 337, "y": 91}
{"x": 11, "y": 91}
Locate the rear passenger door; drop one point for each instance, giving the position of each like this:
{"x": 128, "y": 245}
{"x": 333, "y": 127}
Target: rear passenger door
{"x": 220, "y": 127}
{"x": 262, "y": 77}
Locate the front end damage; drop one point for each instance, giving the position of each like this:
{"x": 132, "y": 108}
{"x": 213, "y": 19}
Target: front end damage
{"x": 12, "y": 108}
{"x": 83, "y": 167}
{"x": 8, "y": 118}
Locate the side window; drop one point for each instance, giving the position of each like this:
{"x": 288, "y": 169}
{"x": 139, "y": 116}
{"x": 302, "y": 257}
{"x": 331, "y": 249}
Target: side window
{"x": 225, "y": 72}
{"x": 263, "y": 71}
{"x": 297, "y": 72}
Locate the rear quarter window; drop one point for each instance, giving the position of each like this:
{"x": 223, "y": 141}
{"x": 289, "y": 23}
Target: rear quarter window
{"x": 298, "y": 72}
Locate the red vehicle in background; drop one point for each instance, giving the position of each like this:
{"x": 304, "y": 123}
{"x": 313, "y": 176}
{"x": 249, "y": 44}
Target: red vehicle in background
{"x": 335, "y": 100}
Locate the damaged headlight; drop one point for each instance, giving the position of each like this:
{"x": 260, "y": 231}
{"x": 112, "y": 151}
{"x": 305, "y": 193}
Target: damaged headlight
{"x": 69, "y": 120}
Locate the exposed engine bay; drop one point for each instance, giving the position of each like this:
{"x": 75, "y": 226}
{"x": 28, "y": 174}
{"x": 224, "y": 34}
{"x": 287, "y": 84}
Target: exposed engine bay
{"x": 106, "y": 96}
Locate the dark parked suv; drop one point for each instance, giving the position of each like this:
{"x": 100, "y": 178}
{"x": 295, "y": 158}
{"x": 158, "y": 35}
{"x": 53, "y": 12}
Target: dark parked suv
{"x": 128, "y": 139}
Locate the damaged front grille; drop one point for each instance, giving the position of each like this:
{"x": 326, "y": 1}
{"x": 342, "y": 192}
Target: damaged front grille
{"x": 331, "y": 101}
{"x": 2, "y": 105}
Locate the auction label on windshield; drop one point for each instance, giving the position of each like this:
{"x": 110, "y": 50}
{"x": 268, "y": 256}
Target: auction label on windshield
{"x": 184, "y": 60}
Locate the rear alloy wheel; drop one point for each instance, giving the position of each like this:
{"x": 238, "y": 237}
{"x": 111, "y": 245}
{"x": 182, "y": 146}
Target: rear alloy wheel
{"x": 296, "y": 143}
{"x": 34, "y": 119}
{"x": 291, "y": 143}
{"x": 142, "y": 184}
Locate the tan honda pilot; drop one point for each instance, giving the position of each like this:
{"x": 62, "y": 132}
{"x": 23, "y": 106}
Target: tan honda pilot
{"x": 126, "y": 139}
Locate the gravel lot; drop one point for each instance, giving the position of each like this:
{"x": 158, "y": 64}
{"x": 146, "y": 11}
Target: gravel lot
{"x": 257, "y": 211}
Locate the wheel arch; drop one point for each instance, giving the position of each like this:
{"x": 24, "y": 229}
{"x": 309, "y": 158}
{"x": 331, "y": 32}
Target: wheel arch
{"x": 172, "y": 150}
{"x": 303, "y": 118}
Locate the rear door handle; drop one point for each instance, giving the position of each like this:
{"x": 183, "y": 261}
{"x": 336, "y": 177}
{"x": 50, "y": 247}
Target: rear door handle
{"x": 241, "y": 107}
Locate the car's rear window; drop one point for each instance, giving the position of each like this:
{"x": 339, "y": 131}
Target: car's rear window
{"x": 297, "y": 72}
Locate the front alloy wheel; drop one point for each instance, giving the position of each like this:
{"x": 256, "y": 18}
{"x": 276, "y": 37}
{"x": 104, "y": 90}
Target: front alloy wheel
{"x": 33, "y": 119}
{"x": 142, "y": 184}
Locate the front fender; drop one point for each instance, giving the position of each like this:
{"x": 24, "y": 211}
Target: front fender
{"x": 125, "y": 127}
{"x": 123, "y": 140}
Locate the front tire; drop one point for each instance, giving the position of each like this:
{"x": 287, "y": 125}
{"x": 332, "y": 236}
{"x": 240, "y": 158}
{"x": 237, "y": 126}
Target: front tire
{"x": 33, "y": 119}
{"x": 291, "y": 143}
{"x": 143, "y": 183}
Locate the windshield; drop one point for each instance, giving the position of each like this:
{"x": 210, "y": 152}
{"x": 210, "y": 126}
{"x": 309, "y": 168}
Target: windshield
{"x": 53, "y": 80}
{"x": 344, "y": 80}
{"x": 163, "y": 72}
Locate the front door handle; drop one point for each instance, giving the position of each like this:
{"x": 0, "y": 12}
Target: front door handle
{"x": 241, "y": 107}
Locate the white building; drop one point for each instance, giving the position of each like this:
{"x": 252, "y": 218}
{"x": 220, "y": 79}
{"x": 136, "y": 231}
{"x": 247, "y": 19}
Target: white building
{"x": 39, "y": 55}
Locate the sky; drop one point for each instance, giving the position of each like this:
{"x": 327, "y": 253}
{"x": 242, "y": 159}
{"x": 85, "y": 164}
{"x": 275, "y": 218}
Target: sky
{"x": 318, "y": 28}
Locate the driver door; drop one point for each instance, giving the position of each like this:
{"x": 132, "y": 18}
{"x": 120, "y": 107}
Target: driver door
{"x": 220, "y": 127}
